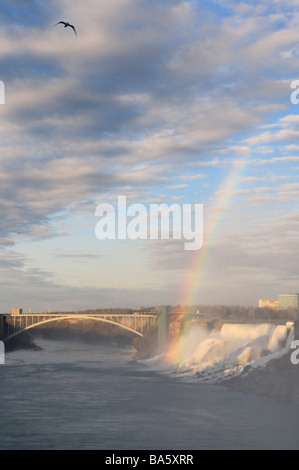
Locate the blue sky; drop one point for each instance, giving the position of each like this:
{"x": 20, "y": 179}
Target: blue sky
{"x": 158, "y": 101}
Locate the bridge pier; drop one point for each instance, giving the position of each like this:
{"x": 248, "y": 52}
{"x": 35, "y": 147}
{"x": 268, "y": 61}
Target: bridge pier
{"x": 3, "y": 327}
{"x": 163, "y": 327}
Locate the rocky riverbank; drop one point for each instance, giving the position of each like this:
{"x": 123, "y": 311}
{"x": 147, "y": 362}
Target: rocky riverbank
{"x": 22, "y": 341}
{"x": 278, "y": 379}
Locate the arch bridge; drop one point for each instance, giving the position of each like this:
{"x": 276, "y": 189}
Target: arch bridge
{"x": 13, "y": 325}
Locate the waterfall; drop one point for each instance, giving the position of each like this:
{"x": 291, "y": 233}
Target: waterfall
{"x": 215, "y": 356}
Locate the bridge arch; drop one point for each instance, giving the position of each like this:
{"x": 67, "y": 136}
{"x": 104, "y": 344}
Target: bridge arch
{"x": 76, "y": 317}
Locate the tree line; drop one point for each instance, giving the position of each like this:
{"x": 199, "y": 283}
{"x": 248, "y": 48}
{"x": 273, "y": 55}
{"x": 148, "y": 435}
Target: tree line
{"x": 238, "y": 312}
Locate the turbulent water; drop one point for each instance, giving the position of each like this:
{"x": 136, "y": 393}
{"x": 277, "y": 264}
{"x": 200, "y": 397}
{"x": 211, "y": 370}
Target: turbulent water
{"x": 73, "y": 395}
{"x": 216, "y": 356}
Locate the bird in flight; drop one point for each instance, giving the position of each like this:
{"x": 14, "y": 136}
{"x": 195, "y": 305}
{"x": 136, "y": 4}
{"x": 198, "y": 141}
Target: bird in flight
{"x": 66, "y": 24}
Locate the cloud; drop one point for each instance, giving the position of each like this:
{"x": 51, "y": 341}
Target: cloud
{"x": 287, "y": 131}
{"x": 147, "y": 94}
{"x": 178, "y": 186}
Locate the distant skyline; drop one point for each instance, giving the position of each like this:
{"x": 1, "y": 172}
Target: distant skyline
{"x": 183, "y": 102}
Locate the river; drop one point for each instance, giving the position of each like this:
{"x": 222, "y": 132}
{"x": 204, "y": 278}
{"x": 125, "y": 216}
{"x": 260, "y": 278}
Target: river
{"x": 74, "y": 395}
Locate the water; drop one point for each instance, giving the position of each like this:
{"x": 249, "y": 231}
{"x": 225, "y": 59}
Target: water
{"x": 80, "y": 396}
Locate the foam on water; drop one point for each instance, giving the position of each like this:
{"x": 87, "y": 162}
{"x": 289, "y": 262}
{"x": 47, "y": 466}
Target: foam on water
{"x": 214, "y": 356}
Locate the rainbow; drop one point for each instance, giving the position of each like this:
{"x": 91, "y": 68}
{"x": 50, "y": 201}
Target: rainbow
{"x": 212, "y": 231}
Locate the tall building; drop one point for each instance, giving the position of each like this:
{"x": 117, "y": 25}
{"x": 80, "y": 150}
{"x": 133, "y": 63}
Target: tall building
{"x": 286, "y": 301}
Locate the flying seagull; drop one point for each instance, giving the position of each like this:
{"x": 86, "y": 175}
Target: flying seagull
{"x": 66, "y": 24}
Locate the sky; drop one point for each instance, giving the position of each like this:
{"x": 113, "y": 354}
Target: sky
{"x": 184, "y": 102}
